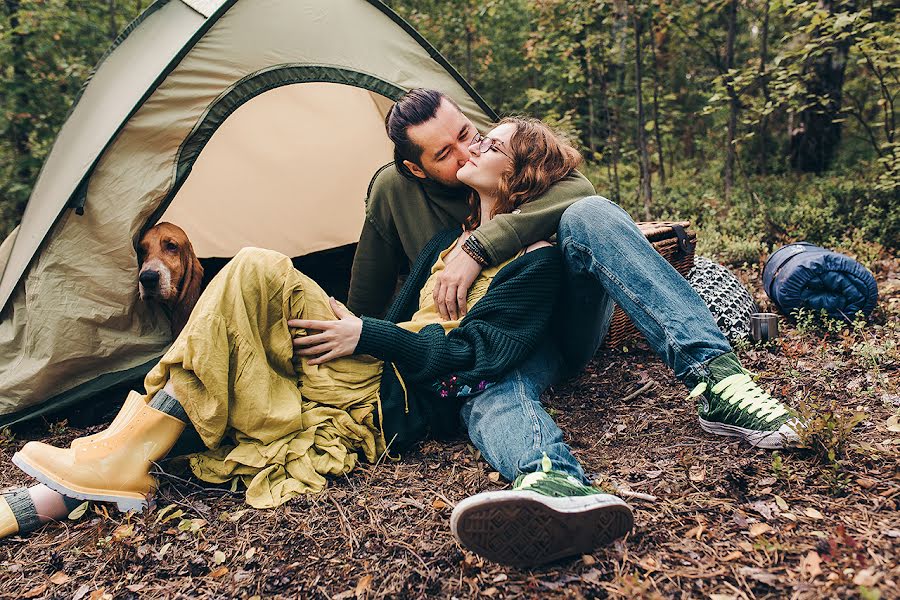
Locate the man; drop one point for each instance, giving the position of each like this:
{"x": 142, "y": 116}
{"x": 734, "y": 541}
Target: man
{"x": 608, "y": 261}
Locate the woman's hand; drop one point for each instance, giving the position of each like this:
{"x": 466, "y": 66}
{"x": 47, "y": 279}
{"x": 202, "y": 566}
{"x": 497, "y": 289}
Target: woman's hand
{"x": 337, "y": 338}
{"x": 452, "y": 284}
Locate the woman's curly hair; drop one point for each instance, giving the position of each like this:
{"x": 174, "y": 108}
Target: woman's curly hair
{"x": 540, "y": 158}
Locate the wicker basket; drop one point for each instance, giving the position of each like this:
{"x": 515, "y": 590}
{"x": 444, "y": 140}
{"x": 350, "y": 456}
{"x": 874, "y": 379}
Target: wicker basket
{"x": 675, "y": 242}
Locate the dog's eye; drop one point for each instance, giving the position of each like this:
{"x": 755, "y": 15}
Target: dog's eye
{"x": 171, "y": 246}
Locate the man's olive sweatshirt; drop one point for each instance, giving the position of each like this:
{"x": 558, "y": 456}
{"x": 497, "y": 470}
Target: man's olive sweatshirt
{"x": 403, "y": 215}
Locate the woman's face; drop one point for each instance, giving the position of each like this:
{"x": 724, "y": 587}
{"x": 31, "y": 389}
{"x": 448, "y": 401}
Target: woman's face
{"x": 483, "y": 170}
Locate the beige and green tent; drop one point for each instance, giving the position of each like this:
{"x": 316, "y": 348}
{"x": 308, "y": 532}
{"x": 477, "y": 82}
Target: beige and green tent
{"x": 247, "y": 123}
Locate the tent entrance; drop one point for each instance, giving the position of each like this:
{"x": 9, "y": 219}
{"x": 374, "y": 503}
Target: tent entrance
{"x": 288, "y": 170}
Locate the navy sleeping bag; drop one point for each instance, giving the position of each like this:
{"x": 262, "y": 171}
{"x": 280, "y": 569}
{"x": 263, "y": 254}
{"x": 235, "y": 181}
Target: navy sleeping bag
{"x": 802, "y": 275}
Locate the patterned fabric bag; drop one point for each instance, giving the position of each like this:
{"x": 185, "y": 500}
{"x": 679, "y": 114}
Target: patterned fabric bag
{"x": 729, "y": 302}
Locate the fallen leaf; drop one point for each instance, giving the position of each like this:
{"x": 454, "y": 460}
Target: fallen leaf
{"x": 648, "y": 563}
{"x": 763, "y": 508}
{"x": 809, "y": 564}
{"x": 164, "y": 514}
{"x": 893, "y": 423}
{"x": 123, "y": 531}
{"x": 695, "y": 532}
{"x": 494, "y": 476}
{"x": 489, "y": 592}
{"x": 438, "y": 504}
{"x": 812, "y": 513}
{"x": 722, "y": 597}
{"x": 732, "y": 556}
{"x": 135, "y": 587}
{"x": 59, "y": 578}
{"x": 782, "y": 505}
{"x": 867, "y": 577}
{"x": 363, "y": 585}
{"x": 344, "y": 595}
{"x": 35, "y": 591}
{"x": 100, "y": 595}
{"x": 697, "y": 473}
{"x": 593, "y": 576}
{"x": 866, "y": 483}
{"x": 588, "y": 560}
{"x": 766, "y": 481}
{"x": 163, "y": 550}
{"x": 218, "y": 572}
{"x": 250, "y": 553}
{"x": 81, "y": 592}
{"x": 757, "y": 529}
{"x": 236, "y": 515}
{"x": 759, "y": 575}
{"x": 79, "y": 511}
{"x": 218, "y": 557}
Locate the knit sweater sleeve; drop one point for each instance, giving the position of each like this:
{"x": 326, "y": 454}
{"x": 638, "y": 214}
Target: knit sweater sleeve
{"x": 500, "y": 330}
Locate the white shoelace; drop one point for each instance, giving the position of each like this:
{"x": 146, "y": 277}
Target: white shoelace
{"x": 740, "y": 389}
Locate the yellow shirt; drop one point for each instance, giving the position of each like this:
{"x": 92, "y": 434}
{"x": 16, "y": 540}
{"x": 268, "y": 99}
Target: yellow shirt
{"x": 428, "y": 312}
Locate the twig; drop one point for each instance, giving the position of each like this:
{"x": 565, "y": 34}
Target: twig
{"x": 638, "y": 392}
{"x": 635, "y": 495}
{"x": 345, "y": 524}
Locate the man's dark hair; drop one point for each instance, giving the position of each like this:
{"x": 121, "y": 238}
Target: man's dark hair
{"x": 413, "y": 108}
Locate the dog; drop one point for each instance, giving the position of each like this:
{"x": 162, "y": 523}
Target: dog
{"x": 170, "y": 272}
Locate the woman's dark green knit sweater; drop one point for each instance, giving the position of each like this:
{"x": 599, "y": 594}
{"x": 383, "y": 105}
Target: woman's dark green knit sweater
{"x": 497, "y": 333}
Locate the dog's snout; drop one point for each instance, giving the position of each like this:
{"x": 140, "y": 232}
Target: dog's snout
{"x": 149, "y": 278}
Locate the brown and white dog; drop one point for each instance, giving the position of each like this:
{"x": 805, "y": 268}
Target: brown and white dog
{"x": 170, "y": 273}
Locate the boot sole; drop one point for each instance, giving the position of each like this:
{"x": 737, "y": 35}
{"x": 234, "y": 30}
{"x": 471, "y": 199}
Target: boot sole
{"x": 769, "y": 440}
{"x": 124, "y": 501}
{"x": 525, "y": 529}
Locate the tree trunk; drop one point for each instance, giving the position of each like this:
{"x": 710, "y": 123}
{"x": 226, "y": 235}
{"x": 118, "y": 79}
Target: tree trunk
{"x": 646, "y": 190}
{"x": 732, "y": 100}
{"x": 612, "y": 133}
{"x": 656, "y": 132}
{"x": 815, "y": 139}
{"x": 18, "y": 126}
{"x": 111, "y": 14}
{"x": 762, "y": 159}
{"x": 589, "y": 74}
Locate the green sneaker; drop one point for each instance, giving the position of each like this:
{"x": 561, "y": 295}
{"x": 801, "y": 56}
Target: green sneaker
{"x": 545, "y": 517}
{"x": 730, "y": 403}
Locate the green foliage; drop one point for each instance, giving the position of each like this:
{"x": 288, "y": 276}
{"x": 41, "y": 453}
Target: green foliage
{"x": 573, "y": 63}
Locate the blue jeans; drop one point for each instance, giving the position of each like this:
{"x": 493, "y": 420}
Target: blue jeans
{"x": 510, "y": 426}
{"x": 608, "y": 262}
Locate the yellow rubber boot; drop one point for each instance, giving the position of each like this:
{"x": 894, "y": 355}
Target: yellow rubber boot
{"x": 133, "y": 402}
{"x": 112, "y": 468}
{"x": 8, "y": 524}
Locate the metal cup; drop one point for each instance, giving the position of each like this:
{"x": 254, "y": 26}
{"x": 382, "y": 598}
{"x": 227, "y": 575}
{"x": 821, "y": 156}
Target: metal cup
{"x": 763, "y": 326}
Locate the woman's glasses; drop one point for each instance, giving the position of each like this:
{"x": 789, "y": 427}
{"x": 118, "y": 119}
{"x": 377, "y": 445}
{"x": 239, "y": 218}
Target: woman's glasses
{"x": 485, "y": 143}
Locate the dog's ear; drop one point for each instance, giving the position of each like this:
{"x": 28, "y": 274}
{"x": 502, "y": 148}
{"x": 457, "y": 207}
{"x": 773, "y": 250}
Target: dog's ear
{"x": 189, "y": 290}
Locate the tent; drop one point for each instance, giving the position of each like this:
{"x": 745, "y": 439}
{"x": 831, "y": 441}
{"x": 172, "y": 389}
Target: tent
{"x": 247, "y": 123}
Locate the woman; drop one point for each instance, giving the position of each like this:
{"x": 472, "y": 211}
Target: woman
{"x": 281, "y": 421}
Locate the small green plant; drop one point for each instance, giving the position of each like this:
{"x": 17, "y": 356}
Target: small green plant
{"x": 817, "y": 322}
{"x": 825, "y": 430}
{"x": 59, "y": 427}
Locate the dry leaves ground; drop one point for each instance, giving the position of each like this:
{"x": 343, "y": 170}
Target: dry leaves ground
{"x": 727, "y": 522}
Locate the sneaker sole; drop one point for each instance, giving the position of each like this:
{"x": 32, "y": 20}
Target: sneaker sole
{"x": 524, "y": 529}
{"x": 769, "y": 440}
{"x": 124, "y": 502}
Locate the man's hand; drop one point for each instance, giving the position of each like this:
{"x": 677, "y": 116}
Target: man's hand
{"x": 337, "y": 338}
{"x": 453, "y": 283}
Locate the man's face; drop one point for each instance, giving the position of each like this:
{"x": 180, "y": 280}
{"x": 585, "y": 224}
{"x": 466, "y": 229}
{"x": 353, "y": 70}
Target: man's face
{"x": 444, "y": 140}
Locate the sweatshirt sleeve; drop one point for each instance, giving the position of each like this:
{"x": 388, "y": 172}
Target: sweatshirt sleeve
{"x": 500, "y": 331}
{"x": 373, "y": 276}
{"x": 537, "y": 219}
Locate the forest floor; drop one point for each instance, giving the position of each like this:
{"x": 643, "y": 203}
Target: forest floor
{"x": 714, "y": 518}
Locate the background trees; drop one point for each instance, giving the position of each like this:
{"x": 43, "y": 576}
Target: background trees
{"x": 773, "y": 119}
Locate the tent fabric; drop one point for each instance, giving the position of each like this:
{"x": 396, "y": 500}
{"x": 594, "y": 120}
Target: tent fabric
{"x": 145, "y": 122}
{"x": 803, "y": 275}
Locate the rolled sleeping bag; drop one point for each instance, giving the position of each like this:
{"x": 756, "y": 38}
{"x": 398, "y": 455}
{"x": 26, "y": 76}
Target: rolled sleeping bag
{"x": 803, "y": 275}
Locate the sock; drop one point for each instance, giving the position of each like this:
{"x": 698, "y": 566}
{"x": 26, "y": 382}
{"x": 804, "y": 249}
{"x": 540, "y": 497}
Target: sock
{"x": 22, "y": 507}
{"x": 189, "y": 441}
{"x": 163, "y": 402}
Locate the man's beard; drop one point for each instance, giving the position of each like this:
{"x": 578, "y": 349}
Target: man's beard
{"x": 455, "y": 183}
